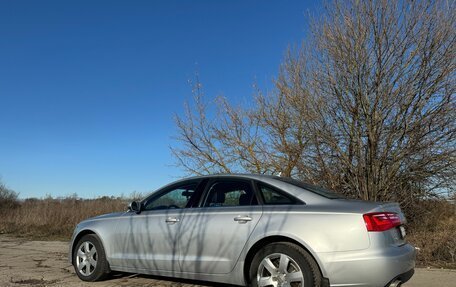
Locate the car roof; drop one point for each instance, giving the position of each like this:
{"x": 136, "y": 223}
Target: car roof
{"x": 235, "y": 175}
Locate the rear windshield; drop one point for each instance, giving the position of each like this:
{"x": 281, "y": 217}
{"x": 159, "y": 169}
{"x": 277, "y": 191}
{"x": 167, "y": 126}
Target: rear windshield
{"x": 312, "y": 188}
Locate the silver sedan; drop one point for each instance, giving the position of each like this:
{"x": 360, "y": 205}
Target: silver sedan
{"x": 252, "y": 230}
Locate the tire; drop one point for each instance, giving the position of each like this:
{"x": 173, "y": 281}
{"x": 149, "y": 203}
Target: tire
{"x": 89, "y": 259}
{"x": 291, "y": 266}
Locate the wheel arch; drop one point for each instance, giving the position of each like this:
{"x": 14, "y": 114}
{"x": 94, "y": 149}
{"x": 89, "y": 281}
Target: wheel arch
{"x": 268, "y": 240}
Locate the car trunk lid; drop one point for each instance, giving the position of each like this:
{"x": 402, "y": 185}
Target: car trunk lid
{"x": 394, "y": 235}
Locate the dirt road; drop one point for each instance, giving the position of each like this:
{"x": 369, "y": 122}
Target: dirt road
{"x": 44, "y": 263}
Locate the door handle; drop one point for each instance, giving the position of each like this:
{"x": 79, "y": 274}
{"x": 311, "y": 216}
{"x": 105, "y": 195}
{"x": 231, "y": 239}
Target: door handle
{"x": 242, "y": 219}
{"x": 172, "y": 220}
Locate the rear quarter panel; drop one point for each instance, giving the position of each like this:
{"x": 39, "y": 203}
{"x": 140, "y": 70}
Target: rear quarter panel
{"x": 318, "y": 229}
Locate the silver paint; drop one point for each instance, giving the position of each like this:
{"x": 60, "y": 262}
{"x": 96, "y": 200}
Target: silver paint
{"x": 213, "y": 243}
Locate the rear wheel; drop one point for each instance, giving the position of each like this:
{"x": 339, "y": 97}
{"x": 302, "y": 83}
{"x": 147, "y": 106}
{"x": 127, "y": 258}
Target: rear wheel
{"x": 284, "y": 264}
{"x": 89, "y": 259}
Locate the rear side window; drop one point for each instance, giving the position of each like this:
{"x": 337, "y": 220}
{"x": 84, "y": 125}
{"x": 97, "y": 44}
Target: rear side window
{"x": 230, "y": 193}
{"x": 272, "y": 196}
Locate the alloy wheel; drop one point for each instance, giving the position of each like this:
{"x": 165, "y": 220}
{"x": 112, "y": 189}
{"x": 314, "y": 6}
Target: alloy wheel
{"x": 86, "y": 258}
{"x": 279, "y": 270}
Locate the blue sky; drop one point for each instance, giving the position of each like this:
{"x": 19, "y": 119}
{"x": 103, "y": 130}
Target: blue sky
{"x": 89, "y": 89}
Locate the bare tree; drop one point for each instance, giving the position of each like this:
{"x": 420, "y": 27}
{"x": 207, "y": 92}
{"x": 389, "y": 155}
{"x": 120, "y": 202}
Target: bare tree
{"x": 365, "y": 106}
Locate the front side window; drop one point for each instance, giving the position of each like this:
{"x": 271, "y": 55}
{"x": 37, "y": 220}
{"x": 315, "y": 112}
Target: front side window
{"x": 178, "y": 197}
{"x": 230, "y": 193}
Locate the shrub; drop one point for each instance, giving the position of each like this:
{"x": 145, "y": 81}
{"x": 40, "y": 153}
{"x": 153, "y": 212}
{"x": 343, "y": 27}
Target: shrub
{"x": 432, "y": 229}
{"x": 8, "y": 198}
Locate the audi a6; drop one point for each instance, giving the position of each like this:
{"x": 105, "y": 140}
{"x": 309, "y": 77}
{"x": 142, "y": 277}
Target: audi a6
{"x": 249, "y": 230}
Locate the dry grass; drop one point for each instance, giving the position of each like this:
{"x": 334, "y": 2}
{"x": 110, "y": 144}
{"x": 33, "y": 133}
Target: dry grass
{"x": 54, "y": 218}
{"x": 432, "y": 228}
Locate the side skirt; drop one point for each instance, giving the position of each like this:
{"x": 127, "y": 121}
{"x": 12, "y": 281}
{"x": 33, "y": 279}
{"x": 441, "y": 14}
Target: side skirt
{"x": 219, "y": 278}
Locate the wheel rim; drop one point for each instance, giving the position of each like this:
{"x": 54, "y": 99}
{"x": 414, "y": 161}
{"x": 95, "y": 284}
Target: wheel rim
{"x": 279, "y": 270}
{"x": 86, "y": 258}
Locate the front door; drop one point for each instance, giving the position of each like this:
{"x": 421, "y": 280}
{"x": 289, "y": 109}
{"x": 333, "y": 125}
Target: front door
{"x": 149, "y": 240}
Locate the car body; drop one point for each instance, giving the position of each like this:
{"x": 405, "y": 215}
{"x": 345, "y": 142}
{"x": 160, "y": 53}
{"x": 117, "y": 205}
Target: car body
{"x": 215, "y": 227}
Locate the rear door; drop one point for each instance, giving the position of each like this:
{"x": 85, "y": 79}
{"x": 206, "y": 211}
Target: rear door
{"x": 213, "y": 235}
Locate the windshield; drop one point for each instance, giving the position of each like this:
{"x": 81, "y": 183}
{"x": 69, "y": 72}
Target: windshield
{"x": 312, "y": 188}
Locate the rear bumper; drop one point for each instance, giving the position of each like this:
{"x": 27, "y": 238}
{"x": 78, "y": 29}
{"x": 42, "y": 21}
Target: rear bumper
{"x": 370, "y": 267}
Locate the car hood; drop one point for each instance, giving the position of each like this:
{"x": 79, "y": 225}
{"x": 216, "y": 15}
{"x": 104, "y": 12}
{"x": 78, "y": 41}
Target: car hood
{"x": 106, "y": 216}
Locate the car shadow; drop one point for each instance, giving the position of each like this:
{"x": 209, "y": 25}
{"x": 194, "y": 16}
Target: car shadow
{"x": 178, "y": 281}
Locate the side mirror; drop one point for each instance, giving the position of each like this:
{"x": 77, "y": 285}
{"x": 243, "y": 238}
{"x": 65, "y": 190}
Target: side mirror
{"x": 135, "y": 206}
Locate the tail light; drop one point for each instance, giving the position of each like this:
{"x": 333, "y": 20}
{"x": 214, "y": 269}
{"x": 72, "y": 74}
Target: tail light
{"x": 381, "y": 221}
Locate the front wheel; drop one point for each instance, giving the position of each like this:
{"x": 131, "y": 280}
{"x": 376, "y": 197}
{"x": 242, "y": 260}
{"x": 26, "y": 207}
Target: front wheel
{"x": 89, "y": 259}
{"x": 284, "y": 264}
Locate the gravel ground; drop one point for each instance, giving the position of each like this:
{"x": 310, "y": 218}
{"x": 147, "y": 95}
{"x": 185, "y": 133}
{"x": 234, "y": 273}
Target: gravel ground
{"x": 44, "y": 263}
